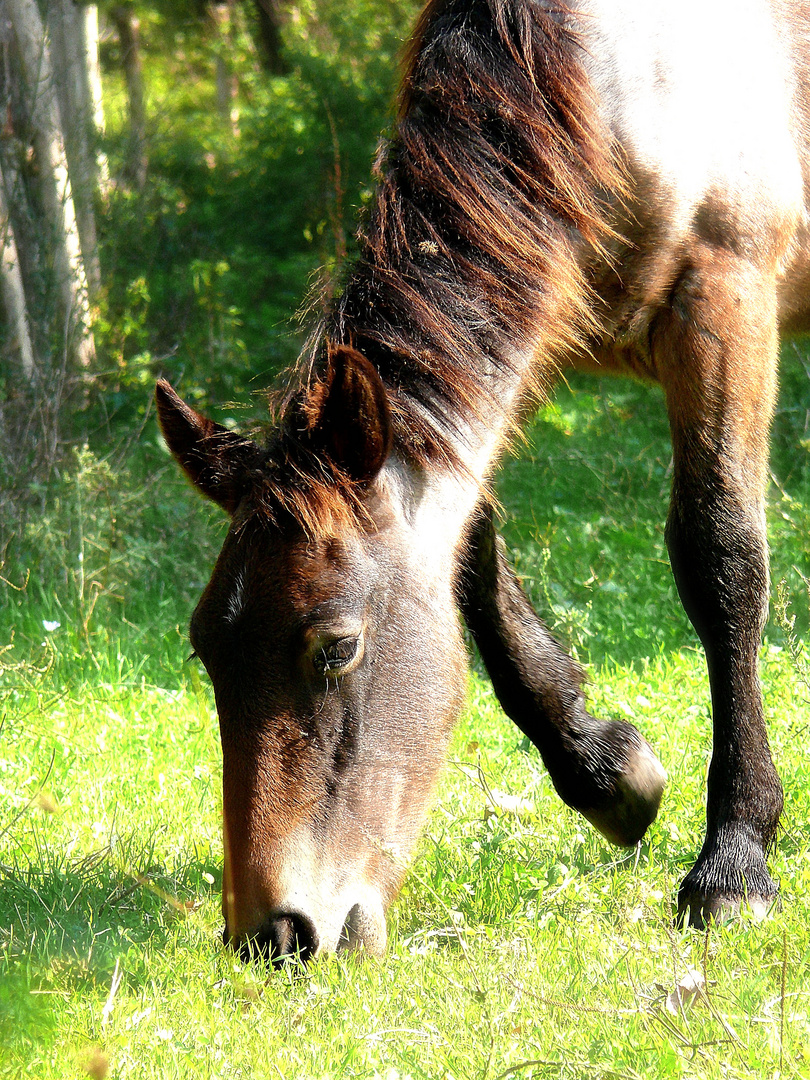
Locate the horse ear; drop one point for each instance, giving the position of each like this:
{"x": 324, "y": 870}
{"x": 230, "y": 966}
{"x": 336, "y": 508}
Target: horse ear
{"x": 352, "y": 423}
{"x": 214, "y": 459}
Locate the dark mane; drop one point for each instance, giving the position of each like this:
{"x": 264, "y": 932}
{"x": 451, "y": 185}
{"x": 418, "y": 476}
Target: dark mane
{"x": 493, "y": 182}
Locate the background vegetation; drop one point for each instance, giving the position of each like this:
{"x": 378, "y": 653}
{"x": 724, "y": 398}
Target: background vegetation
{"x": 522, "y": 944}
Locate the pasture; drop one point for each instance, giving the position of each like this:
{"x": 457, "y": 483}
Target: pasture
{"x": 522, "y": 943}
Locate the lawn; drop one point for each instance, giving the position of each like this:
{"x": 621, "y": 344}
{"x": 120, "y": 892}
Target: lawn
{"x": 522, "y": 943}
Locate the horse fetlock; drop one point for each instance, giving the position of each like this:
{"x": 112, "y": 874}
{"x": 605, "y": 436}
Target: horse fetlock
{"x": 633, "y": 801}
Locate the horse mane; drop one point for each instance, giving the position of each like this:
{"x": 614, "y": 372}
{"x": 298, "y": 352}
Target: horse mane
{"x": 495, "y": 178}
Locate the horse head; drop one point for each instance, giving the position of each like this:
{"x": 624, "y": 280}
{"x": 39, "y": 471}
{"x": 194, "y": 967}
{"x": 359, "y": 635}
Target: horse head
{"x": 330, "y": 634}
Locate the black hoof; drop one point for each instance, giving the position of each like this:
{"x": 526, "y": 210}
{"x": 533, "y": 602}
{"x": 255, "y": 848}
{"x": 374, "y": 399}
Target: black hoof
{"x": 634, "y": 801}
{"x": 699, "y": 909}
{"x": 730, "y": 876}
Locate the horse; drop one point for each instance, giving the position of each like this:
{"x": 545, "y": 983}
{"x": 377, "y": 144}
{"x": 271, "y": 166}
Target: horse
{"x": 611, "y": 185}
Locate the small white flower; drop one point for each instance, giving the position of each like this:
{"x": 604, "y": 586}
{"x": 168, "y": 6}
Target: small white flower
{"x": 50, "y": 626}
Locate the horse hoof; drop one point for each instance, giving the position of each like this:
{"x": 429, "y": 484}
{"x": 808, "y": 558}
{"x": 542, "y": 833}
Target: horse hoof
{"x": 635, "y": 798}
{"x": 698, "y": 909}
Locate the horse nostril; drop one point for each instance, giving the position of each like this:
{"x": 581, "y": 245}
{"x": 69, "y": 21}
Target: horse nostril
{"x": 285, "y": 936}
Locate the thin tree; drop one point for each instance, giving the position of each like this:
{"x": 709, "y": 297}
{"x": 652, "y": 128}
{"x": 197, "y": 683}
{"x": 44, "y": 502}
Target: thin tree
{"x": 13, "y": 293}
{"x": 69, "y": 54}
{"x": 221, "y": 17}
{"x": 128, "y": 26}
{"x": 269, "y": 20}
{"x": 67, "y": 23}
{"x": 54, "y": 175}
{"x": 91, "y": 35}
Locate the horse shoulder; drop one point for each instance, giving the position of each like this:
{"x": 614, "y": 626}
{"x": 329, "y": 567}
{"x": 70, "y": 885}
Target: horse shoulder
{"x": 707, "y": 102}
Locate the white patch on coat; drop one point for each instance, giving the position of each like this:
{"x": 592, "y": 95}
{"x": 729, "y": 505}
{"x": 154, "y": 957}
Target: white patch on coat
{"x": 699, "y": 94}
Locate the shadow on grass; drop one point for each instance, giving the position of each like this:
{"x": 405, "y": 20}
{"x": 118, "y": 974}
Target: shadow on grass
{"x": 63, "y": 929}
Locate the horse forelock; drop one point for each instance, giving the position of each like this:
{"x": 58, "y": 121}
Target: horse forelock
{"x": 304, "y": 491}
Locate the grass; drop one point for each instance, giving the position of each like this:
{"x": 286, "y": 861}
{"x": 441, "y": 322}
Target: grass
{"x": 517, "y": 938}
{"x": 522, "y": 943}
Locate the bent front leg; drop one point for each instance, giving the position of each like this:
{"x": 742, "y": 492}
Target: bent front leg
{"x": 717, "y": 353}
{"x": 603, "y": 769}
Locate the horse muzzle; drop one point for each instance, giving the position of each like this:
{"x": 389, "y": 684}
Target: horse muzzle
{"x": 294, "y": 936}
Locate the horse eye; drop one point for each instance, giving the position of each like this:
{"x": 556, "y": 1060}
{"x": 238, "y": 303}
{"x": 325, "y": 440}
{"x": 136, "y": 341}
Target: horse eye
{"x": 339, "y": 657}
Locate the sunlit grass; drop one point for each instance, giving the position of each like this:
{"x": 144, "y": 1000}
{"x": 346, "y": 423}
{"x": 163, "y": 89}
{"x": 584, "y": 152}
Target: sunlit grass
{"x": 519, "y": 937}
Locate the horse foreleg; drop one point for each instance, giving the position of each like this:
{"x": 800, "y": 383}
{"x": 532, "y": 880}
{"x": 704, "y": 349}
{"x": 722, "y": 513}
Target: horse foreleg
{"x": 603, "y": 769}
{"x": 716, "y": 350}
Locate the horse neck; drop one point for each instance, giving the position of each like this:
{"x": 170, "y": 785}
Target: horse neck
{"x": 433, "y": 507}
{"x": 437, "y": 498}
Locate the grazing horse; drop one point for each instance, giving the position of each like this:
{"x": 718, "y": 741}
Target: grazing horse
{"x": 615, "y": 185}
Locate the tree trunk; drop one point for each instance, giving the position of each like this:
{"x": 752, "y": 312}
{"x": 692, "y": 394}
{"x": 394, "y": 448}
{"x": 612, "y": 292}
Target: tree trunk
{"x": 56, "y": 192}
{"x": 25, "y": 222}
{"x": 93, "y": 66}
{"x": 128, "y": 26}
{"x": 269, "y": 18}
{"x": 69, "y": 48}
{"x": 221, "y": 15}
{"x": 11, "y": 286}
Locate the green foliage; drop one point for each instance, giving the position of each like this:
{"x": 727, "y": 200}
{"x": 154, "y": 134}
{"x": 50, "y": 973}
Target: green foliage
{"x": 207, "y": 267}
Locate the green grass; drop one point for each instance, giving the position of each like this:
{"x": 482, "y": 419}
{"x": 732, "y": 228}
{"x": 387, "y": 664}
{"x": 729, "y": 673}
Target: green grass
{"x": 516, "y": 938}
{"x": 522, "y": 944}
